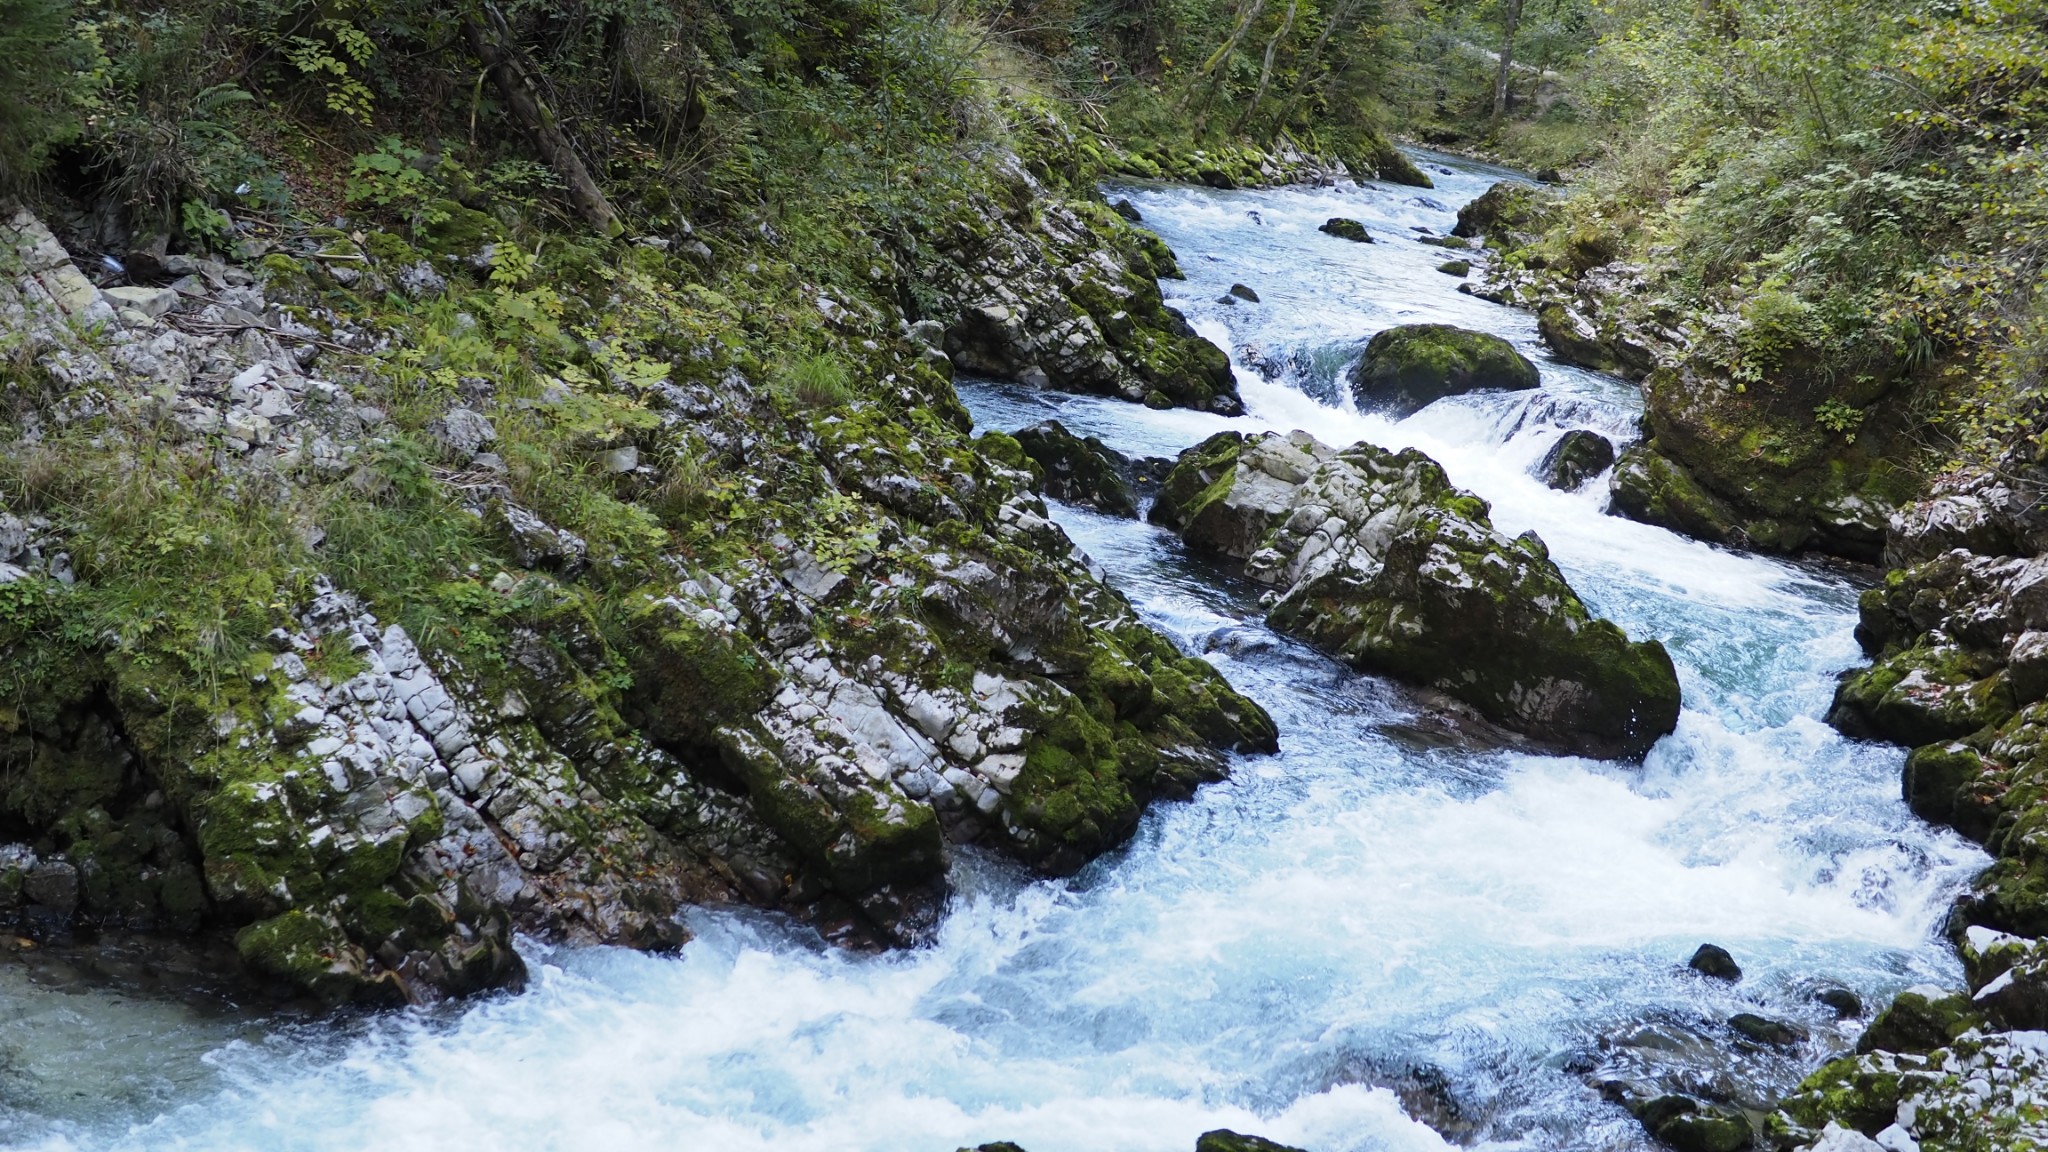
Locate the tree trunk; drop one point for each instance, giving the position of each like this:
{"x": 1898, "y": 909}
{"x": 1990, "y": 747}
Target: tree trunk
{"x": 1266, "y": 67}
{"x": 1306, "y": 75}
{"x": 509, "y": 71}
{"x": 1245, "y": 16}
{"x": 1507, "y": 59}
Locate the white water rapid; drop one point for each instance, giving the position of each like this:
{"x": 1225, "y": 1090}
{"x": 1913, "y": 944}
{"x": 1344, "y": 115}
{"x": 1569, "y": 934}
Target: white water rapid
{"x": 1373, "y": 924}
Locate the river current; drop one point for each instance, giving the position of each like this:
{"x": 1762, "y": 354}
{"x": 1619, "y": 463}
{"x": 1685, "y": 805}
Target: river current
{"x": 1381, "y": 926}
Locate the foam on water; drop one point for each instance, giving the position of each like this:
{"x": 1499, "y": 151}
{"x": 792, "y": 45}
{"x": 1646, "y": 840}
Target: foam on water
{"x": 1369, "y": 922}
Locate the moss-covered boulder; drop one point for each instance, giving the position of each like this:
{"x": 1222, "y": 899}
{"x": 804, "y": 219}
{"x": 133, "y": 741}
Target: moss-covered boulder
{"x": 1345, "y": 228}
{"x": 1458, "y": 268}
{"x": 1761, "y": 470}
{"x": 1080, "y": 470}
{"x": 1651, "y": 489}
{"x": 1412, "y": 366}
{"x": 1922, "y": 696}
{"x": 1920, "y": 1022}
{"x": 1382, "y": 562}
{"x": 1578, "y": 456}
{"x": 1224, "y": 1140}
{"x": 1856, "y": 1092}
{"x": 1574, "y": 338}
{"x": 1508, "y": 205}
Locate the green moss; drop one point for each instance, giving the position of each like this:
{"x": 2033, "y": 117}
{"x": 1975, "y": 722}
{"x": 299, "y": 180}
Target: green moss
{"x": 313, "y": 953}
{"x": 1849, "y": 1091}
{"x": 1203, "y": 475}
{"x": 1922, "y": 696}
{"x": 1410, "y": 366}
{"x": 1915, "y": 1023}
{"x": 691, "y": 678}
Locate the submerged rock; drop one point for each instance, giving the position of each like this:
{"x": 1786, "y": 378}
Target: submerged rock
{"x": 1080, "y": 470}
{"x": 1405, "y": 369}
{"x": 1344, "y": 228}
{"x": 1380, "y": 561}
{"x": 1578, "y": 456}
{"x": 1764, "y": 1030}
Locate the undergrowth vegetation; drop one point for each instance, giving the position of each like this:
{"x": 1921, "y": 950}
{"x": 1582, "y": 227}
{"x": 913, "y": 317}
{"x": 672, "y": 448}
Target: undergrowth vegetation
{"x": 1851, "y": 191}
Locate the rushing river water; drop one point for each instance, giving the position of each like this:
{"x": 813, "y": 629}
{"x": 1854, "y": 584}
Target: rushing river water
{"x": 1378, "y": 922}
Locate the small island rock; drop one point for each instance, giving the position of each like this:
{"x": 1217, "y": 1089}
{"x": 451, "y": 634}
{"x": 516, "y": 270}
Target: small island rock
{"x": 1409, "y": 367}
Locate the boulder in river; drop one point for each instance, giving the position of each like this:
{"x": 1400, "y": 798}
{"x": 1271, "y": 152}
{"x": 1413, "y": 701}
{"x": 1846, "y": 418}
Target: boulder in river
{"x": 1458, "y": 268}
{"x": 1578, "y": 456}
{"x": 1380, "y": 561}
{"x": 1411, "y": 366}
{"x": 1764, "y": 1030}
{"x": 1244, "y": 292}
{"x": 1079, "y": 470}
{"x": 1687, "y": 1125}
{"x": 1346, "y": 229}
{"x": 1714, "y": 960}
{"x": 1224, "y": 1140}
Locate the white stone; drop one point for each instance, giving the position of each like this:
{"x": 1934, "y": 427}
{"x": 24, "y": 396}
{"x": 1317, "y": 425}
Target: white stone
{"x": 151, "y": 302}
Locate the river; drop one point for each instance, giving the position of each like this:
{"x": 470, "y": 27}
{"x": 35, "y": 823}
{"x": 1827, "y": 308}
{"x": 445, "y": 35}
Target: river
{"x": 1382, "y": 922}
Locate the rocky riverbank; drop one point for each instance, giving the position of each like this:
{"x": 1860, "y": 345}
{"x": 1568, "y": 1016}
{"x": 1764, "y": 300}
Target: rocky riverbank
{"x": 667, "y": 624}
{"x": 1746, "y": 442}
{"x": 1951, "y": 630}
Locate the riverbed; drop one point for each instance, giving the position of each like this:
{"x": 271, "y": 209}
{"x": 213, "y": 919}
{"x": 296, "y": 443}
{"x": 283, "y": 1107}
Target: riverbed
{"x": 1386, "y": 936}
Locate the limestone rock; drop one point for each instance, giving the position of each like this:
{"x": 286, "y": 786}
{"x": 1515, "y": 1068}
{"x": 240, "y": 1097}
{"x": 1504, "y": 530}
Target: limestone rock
{"x": 1380, "y": 561}
{"x": 1409, "y": 367}
{"x": 1061, "y": 293}
{"x": 1080, "y": 470}
{"x": 1505, "y": 203}
{"x": 151, "y": 302}
{"x": 1578, "y": 456}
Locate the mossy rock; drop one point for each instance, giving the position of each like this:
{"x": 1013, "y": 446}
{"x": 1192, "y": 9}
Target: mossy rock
{"x": 1224, "y": 1140}
{"x": 1574, "y": 340}
{"x": 1203, "y": 475}
{"x": 453, "y": 230}
{"x": 1945, "y": 783}
{"x": 1079, "y": 470}
{"x": 1578, "y": 456}
{"x": 312, "y": 952}
{"x": 1410, "y": 367}
{"x": 1852, "y": 1091}
{"x": 1507, "y": 206}
{"x": 1921, "y": 696}
{"x": 1458, "y": 268}
{"x": 1917, "y": 1023}
{"x": 1789, "y": 484}
{"x": 1371, "y": 152}
{"x": 1706, "y": 1130}
{"x": 1651, "y": 489}
{"x": 1344, "y": 228}
{"x": 1432, "y": 594}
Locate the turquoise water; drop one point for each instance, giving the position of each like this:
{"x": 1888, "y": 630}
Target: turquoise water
{"x": 1383, "y": 922}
